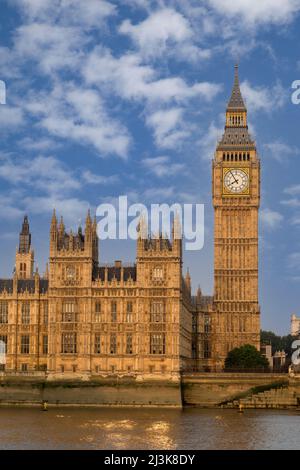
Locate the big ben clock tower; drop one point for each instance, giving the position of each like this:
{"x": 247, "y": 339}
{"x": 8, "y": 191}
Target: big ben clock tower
{"x": 236, "y": 200}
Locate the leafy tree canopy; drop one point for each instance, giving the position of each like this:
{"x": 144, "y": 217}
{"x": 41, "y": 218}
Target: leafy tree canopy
{"x": 246, "y": 357}
{"x": 279, "y": 343}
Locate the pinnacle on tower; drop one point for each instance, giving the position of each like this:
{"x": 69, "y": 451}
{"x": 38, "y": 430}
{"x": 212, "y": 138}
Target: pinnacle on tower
{"x": 95, "y": 225}
{"x": 61, "y": 224}
{"x": 25, "y": 237}
{"x": 54, "y": 219}
{"x": 88, "y": 221}
{"x": 236, "y": 129}
{"x": 236, "y": 101}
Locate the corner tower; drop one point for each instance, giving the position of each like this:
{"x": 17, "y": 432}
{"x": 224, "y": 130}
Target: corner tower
{"x": 236, "y": 201}
{"x": 25, "y": 254}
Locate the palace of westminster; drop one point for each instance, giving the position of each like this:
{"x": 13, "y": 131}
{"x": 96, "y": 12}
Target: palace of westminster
{"x": 84, "y": 319}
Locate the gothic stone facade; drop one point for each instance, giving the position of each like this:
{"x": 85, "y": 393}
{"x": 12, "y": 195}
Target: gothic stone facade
{"x": 82, "y": 318}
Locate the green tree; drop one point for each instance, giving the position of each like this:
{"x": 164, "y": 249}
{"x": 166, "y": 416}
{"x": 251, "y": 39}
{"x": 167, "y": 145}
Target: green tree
{"x": 279, "y": 343}
{"x": 246, "y": 357}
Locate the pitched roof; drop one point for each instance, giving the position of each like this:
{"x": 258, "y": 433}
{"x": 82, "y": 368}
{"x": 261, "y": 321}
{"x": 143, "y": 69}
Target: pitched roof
{"x": 129, "y": 272}
{"x": 23, "y": 285}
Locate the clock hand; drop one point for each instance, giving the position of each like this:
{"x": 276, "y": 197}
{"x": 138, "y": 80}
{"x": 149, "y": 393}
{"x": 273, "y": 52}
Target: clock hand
{"x": 236, "y": 181}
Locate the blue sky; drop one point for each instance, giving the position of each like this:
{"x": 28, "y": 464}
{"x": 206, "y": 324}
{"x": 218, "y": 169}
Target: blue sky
{"x": 106, "y": 98}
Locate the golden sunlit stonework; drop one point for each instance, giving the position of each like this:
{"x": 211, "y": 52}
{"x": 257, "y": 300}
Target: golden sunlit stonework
{"x": 82, "y": 318}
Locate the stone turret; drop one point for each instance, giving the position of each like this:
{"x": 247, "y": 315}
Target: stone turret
{"x": 25, "y": 254}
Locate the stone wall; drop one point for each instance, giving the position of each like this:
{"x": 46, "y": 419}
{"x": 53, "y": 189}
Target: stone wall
{"x": 199, "y": 390}
{"x": 211, "y": 390}
{"x": 16, "y": 391}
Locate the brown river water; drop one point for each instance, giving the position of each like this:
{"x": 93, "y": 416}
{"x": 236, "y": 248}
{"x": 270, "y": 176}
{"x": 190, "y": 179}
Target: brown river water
{"x": 148, "y": 429}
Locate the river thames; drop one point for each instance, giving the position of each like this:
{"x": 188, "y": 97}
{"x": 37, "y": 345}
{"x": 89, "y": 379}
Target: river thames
{"x": 149, "y": 429}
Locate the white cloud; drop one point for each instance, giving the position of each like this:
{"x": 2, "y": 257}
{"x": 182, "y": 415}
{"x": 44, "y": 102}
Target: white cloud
{"x": 129, "y": 78}
{"x": 10, "y": 117}
{"x": 281, "y": 151}
{"x": 72, "y": 209}
{"x": 253, "y": 12}
{"x": 296, "y": 220}
{"x": 270, "y": 219}
{"x": 88, "y": 14}
{"x": 53, "y": 47}
{"x": 168, "y": 127}
{"x": 293, "y": 190}
{"x": 165, "y": 32}
{"x": 44, "y": 173}
{"x": 294, "y": 260}
{"x": 42, "y": 144}
{"x": 8, "y": 209}
{"x": 93, "y": 178}
{"x": 159, "y": 28}
{"x": 263, "y": 99}
{"x": 54, "y": 33}
{"x": 162, "y": 167}
{"x": 78, "y": 114}
{"x": 159, "y": 195}
{"x": 293, "y": 203}
{"x": 209, "y": 141}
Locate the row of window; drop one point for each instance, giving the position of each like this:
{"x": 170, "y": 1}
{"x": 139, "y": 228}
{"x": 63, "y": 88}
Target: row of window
{"x": 237, "y": 157}
{"x": 70, "y": 313}
{"x": 236, "y": 120}
{"x": 25, "y": 312}
{"x": 24, "y": 345}
{"x": 157, "y": 344}
{"x": 69, "y": 344}
{"x": 23, "y": 270}
{"x": 157, "y": 312}
{"x": 203, "y": 352}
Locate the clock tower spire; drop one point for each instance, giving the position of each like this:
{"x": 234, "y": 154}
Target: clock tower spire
{"x": 236, "y": 200}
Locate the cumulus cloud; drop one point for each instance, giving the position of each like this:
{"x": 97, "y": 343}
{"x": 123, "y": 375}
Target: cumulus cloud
{"x": 44, "y": 173}
{"x": 11, "y": 117}
{"x": 93, "y": 178}
{"x": 293, "y": 190}
{"x": 159, "y": 28}
{"x": 79, "y": 114}
{"x": 294, "y": 260}
{"x": 270, "y": 219}
{"x": 129, "y": 78}
{"x": 52, "y": 47}
{"x": 168, "y": 127}
{"x": 41, "y": 144}
{"x": 281, "y": 151}
{"x": 209, "y": 140}
{"x": 162, "y": 166}
{"x": 263, "y": 98}
{"x": 89, "y": 14}
{"x": 71, "y": 208}
{"x": 165, "y": 31}
{"x": 253, "y": 12}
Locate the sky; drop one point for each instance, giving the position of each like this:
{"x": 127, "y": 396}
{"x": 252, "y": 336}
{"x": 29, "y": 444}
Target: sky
{"x": 107, "y": 98}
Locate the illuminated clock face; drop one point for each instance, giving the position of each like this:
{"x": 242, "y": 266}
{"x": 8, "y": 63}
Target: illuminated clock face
{"x": 236, "y": 181}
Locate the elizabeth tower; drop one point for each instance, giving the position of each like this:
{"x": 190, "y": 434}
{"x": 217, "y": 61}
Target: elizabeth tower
{"x": 236, "y": 200}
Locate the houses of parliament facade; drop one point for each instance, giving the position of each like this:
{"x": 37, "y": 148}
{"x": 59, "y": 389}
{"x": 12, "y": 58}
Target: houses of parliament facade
{"x": 82, "y": 318}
